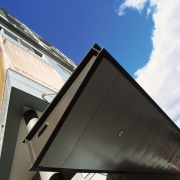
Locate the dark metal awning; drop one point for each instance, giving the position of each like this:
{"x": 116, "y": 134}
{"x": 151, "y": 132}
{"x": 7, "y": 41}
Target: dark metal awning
{"x": 103, "y": 121}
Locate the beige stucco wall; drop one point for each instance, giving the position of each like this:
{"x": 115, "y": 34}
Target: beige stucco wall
{"x": 15, "y": 58}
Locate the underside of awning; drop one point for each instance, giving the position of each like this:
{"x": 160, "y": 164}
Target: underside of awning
{"x": 103, "y": 121}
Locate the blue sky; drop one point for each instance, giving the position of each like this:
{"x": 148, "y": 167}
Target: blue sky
{"x": 74, "y": 26}
{"x": 143, "y": 35}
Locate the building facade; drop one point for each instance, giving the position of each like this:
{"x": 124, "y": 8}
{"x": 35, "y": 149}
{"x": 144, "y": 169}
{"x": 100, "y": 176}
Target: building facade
{"x": 31, "y": 73}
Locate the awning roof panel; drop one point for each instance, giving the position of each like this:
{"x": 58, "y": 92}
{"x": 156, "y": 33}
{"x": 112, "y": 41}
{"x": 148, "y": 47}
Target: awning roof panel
{"x": 105, "y": 122}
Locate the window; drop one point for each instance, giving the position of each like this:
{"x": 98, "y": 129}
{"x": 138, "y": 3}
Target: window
{"x": 30, "y": 48}
{"x": 2, "y": 12}
{"x": 26, "y": 45}
{"x": 37, "y": 52}
{"x": 10, "y": 35}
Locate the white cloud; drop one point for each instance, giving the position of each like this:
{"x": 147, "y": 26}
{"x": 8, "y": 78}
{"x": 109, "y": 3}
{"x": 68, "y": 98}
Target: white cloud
{"x": 160, "y": 77}
{"x": 152, "y": 7}
{"x": 134, "y": 4}
{"x": 178, "y": 123}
